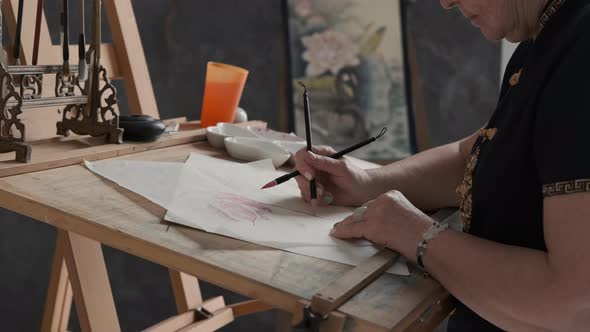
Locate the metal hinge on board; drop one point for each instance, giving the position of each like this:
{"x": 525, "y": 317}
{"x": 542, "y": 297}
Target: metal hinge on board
{"x": 311, "y": 320}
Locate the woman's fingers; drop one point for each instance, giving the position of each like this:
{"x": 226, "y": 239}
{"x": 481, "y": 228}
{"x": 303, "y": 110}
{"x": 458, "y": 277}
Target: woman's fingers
{"x": 325, "y": 164}
{"x": 323, "y": 150}
{"x": 310, "y": 163}
{"x": 306, "y": 170}
{"x": 349, "y": 229}
{"x": 324, "y": 198}
{"x": 304, "y": 188}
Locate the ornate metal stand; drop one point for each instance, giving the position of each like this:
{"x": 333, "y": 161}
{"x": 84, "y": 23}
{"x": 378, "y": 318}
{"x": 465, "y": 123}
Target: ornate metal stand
{"x": 89, "y": 107}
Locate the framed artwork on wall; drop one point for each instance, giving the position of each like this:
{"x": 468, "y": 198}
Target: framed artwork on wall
{"x": 351, "y": 56}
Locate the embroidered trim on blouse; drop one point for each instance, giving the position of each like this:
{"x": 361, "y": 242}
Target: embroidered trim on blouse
{"x": 464, "y": 189}
{"x": 548, "y": 13}
{"x": 566, "y": 187}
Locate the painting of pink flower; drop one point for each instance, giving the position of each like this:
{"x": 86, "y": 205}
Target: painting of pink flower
{"x": 350, "y": 53}
{"x": 330, "y": 51}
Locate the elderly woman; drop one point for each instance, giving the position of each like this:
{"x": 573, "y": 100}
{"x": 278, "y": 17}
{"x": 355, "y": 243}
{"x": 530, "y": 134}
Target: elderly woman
{"x": 522, "y": 183}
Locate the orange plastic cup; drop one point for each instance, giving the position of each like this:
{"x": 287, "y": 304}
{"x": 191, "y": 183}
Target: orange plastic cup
{"x": 223, "y": 89}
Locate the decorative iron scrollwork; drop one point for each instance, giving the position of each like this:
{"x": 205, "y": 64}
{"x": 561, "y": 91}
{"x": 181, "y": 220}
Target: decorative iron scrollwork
{"x": 11, "y": 126}
{"x": 65, "y": 86}
{"x": 31, "y": 86}
{"x": 12, "y": 130}
{"x": 98, "y": 120}
{"x": 107, "y": 98}
{"x": 92, "y": 112}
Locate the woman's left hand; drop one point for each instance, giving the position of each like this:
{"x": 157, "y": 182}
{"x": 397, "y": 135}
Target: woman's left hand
{"x": 390, "y": 220}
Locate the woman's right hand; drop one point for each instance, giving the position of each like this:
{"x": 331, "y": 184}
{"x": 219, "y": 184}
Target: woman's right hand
{"x": 338, "y": 181}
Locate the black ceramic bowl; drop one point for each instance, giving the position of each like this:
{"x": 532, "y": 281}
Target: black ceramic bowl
{"x": 142, "y": 128}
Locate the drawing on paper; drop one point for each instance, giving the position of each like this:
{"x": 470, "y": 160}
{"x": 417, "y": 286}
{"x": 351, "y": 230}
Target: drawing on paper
{"x": 239, "y": 208}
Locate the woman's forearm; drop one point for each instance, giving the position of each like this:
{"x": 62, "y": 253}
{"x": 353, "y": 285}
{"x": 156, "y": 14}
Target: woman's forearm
{"x": 513, "y": 287}
{"x": 427, "y": 179}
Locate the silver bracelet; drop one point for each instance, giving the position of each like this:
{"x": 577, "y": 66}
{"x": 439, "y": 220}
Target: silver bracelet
{"x": 435, "y": 229}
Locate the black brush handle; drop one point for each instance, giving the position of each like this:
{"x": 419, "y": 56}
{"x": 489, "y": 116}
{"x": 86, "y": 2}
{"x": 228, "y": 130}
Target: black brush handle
{"x": 81, "y": 47}
{"x": 82, "y": 38}
{"x": 19, "y": 28}
{"x": 65, "y": 23}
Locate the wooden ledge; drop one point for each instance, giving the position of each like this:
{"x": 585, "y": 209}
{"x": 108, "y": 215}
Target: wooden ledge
{"x": 60, "y": 152}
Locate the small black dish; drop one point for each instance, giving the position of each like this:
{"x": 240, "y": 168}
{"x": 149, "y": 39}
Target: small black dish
{"x": 141, "y": 128}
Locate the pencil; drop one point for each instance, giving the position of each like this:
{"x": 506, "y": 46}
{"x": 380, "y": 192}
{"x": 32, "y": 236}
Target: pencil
{"x": 336, "y": 155}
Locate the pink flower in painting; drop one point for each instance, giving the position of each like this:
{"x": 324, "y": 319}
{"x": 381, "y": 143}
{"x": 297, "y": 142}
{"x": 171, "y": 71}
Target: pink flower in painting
{"x": 316, "y": 22}
{"x": 302, "y": 7}
{"x": 329, "y": 51}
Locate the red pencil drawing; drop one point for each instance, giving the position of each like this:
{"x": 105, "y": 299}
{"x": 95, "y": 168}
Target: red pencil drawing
{"x": 239, "y": 208}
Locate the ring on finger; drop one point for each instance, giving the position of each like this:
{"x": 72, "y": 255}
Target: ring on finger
{"x": 358, "y": 215}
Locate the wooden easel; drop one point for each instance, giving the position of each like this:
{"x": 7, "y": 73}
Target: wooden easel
{"x": 123, "y": 60}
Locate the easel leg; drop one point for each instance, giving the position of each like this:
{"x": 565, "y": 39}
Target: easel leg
{"x": 90, "y": 284}
{"x": 187, "y": 293}
{"x": 59, "y": 294}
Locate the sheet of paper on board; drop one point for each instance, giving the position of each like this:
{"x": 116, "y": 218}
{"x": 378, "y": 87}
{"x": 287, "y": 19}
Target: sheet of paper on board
{"x": 275, "y": 217}
{"x": 224, "y": 197}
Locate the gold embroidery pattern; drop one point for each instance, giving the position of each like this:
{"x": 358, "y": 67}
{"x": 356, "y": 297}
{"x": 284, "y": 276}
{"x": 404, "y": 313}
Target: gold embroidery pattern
{"x": 464, "y": 189}
{"x": 566, "y": 187}
{"x": 548, "y": 13}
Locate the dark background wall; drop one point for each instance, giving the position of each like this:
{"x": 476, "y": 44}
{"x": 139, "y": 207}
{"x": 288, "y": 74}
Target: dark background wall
{"x": 457, "y": 67}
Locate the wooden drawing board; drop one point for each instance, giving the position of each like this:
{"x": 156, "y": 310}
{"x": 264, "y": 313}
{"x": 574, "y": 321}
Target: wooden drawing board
{"x": 74, "y": 199}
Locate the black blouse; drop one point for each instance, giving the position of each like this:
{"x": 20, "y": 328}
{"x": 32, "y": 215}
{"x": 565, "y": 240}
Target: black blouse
{"x": 536, "y": 143}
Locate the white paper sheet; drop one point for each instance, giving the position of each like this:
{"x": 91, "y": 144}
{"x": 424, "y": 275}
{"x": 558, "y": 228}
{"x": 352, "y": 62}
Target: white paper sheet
{"x": 224, "y": 197}
{"x": 275, "y": 217}
{"x": 156, "y": 181}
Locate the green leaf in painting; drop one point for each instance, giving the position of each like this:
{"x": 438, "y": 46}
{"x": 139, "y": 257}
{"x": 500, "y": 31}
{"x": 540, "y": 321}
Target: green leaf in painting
{"x": 373, "y": 43}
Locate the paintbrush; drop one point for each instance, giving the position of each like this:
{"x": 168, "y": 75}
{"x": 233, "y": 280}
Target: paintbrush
{"x": 336, "y": 155}
{"x": 82, "y": 65}
{"x": 312, "y": 183}
{"x": 65, "y": 38}
{"x": 19, "y": 27}
{"x": 37, "y": 32}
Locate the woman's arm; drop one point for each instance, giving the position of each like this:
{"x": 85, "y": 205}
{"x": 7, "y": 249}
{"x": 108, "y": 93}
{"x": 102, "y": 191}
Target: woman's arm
{"x": 515, "y": 287}
{"x": 428, "y": 178}
{"x": 436, "y": 172}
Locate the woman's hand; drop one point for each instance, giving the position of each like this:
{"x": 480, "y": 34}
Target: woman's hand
{"x": 391, "y": 221}
{"x": 338, "y": 181}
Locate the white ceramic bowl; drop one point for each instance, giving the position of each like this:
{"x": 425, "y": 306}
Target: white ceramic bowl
{"x": 274, "y": 135}
{"x": 253, "y": 149}
{"x": 216, "y": 134}
{"x": 215, "y": 137}
{"x": 292, "y": 148}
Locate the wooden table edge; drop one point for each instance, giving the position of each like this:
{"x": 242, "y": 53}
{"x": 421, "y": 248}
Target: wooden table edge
{"x": 163, "y": 256}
